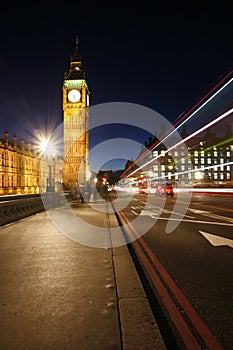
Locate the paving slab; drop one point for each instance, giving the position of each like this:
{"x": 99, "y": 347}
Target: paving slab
{"x": 56, "y": 293}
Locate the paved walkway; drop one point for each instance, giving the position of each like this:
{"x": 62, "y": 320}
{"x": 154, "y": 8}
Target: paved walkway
{"x": 56, "y": 293}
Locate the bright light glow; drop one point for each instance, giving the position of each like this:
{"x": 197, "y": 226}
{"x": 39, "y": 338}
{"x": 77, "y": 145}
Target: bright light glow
{"x": 47, "y": 147}
{"x": 198, "y": 175}
{"x": 88, "y": 175}
{"x": 44, "y": 145}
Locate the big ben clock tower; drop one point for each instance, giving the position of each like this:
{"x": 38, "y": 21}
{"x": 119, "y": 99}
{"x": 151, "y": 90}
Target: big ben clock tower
{"x": 75, "y": 121}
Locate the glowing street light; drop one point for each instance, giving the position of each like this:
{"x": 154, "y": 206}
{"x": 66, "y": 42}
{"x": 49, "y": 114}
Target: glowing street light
{"x": 46, "y": 147}
{"x": 199, "y": 175}
{"x": 48, "y": 144}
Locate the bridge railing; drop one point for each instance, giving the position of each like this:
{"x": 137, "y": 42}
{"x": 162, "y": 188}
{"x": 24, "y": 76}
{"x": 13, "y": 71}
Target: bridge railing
{"x": 15, "y": 209}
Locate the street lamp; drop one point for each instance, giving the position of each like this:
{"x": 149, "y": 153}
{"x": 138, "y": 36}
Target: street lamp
{"x": 50, "y": 152}
{"x": 50, "y": 180}
{"x": 47, "y": 148}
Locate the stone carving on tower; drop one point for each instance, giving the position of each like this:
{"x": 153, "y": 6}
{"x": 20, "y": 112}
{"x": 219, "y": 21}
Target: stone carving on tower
{"x": 75, "y": 120}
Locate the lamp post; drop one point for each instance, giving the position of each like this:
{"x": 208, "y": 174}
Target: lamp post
{"x": 48, "y": 149}
{"x": 50, "y": 180}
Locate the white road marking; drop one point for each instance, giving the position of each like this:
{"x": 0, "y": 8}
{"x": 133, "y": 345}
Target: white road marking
{"x": 157, "y": 211}
{"x": 179, "y": 214}
{"x": 136, "y": 207}
{"x": 219, "y": 217}
{"x": 211, "y": 215}
{"x": 196, "y": 211}
{"x": 199, "y": 222}
{"x": 187, "y": 220}
{"x": 217, "y": 240}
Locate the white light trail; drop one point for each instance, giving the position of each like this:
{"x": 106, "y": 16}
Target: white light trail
{"x": 197, "y": 110}
{"x": 224, "y": 115}
{"x": 191, "y": 115}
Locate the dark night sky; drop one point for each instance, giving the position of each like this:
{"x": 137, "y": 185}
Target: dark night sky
{"x": 164, "y": 56}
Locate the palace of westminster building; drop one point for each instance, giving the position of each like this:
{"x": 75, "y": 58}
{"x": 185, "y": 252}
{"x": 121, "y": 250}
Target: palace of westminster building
{"x": 23, "y": 170}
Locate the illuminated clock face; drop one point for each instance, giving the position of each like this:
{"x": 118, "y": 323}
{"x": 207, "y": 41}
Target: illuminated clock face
{"x": 74, "y": 95}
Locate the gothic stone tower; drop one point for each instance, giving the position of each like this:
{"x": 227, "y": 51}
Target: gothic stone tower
{"x": 75, "y": 119}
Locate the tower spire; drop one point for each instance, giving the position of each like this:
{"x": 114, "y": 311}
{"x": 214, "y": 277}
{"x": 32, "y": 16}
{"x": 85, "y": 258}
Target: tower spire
{"x": 76, "y": 57}
{"x": 76, "y": 71}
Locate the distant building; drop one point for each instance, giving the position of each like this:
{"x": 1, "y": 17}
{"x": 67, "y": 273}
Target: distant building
{"x": 203, "y": 160}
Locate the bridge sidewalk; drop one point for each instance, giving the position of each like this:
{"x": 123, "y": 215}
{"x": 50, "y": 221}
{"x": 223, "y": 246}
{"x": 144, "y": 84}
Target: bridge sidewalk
{"x": 58, "y": 294}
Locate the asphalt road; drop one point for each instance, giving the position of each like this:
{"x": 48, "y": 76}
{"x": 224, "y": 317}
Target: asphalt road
{"x": 197, "y": 255}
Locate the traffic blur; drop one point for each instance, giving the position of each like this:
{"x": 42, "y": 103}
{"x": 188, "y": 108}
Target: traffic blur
{"x": 159, "y": 190}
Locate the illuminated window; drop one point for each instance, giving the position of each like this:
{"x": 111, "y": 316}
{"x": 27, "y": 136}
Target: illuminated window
{"x": 221, "y": 160}
{"x": 155, "y": 167}
{"x": 162, "y": 153}
{"x": 176, "y": 153}
{"x": 208, "y": 160}
{"x": 228, "y": 176}
{"x": 215, "y": 176}
{"x": 228, "y": 154}
{"x": 202, "y": 153}
{"x": 202, "y": 160}
{"x": 196, "y": 161}
{"x": 196, "y": 154}
{"x": 182, "y": 167}
{"x": 155, "y": 153}
{"x": 163, "y": 167}
{"x": 221, "y": 176}
{"x": 215, "y": 153}
{"x": 182, "y": 160}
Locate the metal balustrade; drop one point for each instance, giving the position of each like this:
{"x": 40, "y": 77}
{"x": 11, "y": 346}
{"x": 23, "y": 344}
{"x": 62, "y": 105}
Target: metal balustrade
{"x": 15, "y": 209}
